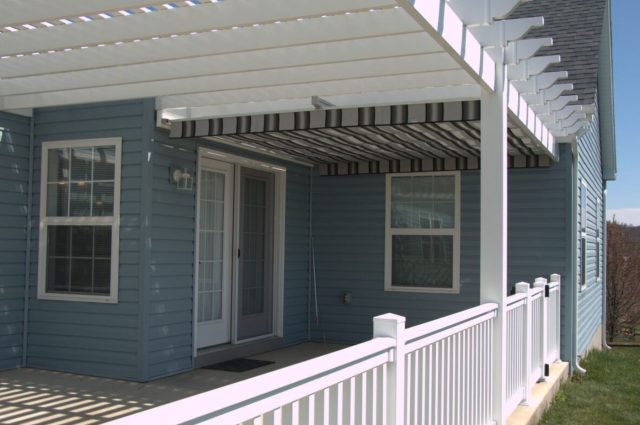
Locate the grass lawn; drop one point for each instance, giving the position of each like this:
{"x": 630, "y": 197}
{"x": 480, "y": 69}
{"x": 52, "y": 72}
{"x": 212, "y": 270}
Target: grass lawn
{"x": 608, "y": 394}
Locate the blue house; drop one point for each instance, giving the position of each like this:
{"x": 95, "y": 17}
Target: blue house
{"x": 200, "y": 181}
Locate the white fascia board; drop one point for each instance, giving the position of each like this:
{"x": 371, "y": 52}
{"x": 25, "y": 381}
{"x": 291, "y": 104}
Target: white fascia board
{"x": 449, "y": 31}
{"x": 28, "y": 112}
{"x": 325, "y": 90}
{"x": 183, "y": 20}
{"x": 398, "y": 97}
{"x": 358, "y": 52}
{"x": 355, "y": 26}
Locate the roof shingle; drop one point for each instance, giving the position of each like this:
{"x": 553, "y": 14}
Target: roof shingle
{"x": 576, "y": 27}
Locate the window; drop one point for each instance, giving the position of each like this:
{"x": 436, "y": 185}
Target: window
{"x": 79, "y": 220}
{"x": 599, "y": 241}
{"x": 423, "y": 232}
{"x": 583, "y": 233}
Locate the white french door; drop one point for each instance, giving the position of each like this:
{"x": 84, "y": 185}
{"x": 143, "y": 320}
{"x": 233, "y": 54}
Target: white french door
{"x": 214, "y": 253}
{"x": 235, "y": 253}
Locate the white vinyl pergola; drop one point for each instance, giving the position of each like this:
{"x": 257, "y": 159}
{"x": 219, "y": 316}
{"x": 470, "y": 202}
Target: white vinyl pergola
{"x": 214, "y": 58}
{"x": 227, "y": 58}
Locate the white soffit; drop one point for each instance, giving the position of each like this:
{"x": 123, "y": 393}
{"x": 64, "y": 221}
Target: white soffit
{"x": 236, "y": 56}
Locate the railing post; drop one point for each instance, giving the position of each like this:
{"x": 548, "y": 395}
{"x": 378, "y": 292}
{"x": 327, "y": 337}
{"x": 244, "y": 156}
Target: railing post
{"x": 523, "y": 287}
{"x": 541, "y": 282}
{"x": 392, "y": 326}
{"x": 556, "y": 314}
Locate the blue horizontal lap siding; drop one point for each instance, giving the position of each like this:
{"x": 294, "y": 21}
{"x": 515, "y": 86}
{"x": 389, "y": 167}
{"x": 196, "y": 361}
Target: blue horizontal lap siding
{"x": 92, "y": 338}
{"x": 171, "y": 261}
{"x": 590, "y": 296}
{"x": 14, "y": 171}
{"x": 172, "y": 254}
{"x": 349, "y": 235}
{"x": 539, "y": 230}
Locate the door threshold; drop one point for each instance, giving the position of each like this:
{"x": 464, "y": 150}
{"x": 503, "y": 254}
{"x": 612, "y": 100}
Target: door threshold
{"x": 221, "y": 353}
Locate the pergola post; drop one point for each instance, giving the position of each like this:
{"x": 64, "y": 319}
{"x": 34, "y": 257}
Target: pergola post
{"x": 493, "y": 226}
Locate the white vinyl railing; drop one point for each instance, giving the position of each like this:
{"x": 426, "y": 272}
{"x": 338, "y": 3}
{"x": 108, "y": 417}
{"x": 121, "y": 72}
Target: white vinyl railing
{"x": 448, "y": 369}
{"x": 552, "y": 338}
{"x": 433, "y": 373}
{"x": 533, "y": 336}
{"x": 516, "y": 361}
{"x": 440, "y": 372}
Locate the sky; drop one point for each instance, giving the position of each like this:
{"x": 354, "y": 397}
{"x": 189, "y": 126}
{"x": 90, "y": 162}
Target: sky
{"x": 623, "y": 195}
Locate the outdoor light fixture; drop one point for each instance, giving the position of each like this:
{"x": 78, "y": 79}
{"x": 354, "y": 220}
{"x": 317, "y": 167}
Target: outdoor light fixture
{"x": 181, "y": 178}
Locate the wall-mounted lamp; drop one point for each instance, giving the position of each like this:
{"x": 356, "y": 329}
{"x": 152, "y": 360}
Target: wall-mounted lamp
{"x": 181, "y": 177}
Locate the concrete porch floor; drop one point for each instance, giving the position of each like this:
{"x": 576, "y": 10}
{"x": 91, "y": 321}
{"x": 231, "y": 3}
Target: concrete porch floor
{"x": 40, "y": 397}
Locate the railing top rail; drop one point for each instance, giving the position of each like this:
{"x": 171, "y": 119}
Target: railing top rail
{"x": 242, "y": 393}
{"x": 515, "y": 300}
{"x": 536, "y": 293}
{"x": 439, "y": 325}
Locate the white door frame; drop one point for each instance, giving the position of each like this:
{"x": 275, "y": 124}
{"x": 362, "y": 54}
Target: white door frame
{"x": 280, "y": 174}
{"x": 222, "y": 324}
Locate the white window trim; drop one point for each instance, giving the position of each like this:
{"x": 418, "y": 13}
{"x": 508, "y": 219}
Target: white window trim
{"x": 455, "y": 232}
{"x": 583, "y": 233}
{"x": 599, "y": 252}
{"x": 113, "y": 221}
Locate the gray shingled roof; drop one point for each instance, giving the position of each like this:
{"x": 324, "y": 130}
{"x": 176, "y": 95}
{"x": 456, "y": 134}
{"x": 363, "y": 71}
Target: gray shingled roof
{"x": 575, "y": 26}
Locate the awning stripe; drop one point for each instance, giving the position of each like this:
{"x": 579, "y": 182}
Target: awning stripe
{"x": 425, "y": 137}
{"x": 352, "y": 117}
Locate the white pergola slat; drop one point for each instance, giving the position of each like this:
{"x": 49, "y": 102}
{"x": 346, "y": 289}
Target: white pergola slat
{"x": 16, "y": 12}
{"x": 325, "y": 76}
{"x": 355, "y": 26}
{"x": 201, "y": 18}
{"x": 358, "y": 52}
{"x": 233, "y": 57}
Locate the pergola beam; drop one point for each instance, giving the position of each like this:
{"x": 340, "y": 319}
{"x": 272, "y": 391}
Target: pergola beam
{"x": 381, "y": 98}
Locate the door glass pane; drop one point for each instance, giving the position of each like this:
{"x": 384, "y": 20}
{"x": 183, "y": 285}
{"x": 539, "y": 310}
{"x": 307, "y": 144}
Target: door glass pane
{"x": 211, "y": 250}
{"x": 253, "y": 238}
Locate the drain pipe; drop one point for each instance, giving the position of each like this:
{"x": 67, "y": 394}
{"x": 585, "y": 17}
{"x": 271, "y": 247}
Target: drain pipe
{"x": 604, "y": 270}
{"x": 575, "y": 365}
{"x": 27, "y": 271}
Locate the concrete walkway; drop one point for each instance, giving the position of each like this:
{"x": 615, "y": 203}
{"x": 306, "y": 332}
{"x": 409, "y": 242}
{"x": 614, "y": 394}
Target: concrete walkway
{"x": 39, "y": 397}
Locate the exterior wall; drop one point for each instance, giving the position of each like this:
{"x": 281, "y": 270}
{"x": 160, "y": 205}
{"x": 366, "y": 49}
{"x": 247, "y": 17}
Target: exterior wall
{"x": 349, "y": 229}
{"x": 590, "y": 291}
{"x": 148, "y": 333}
{"x": 92, "y": 338}
{"x": 349, "y": 234}
{"x": 14, "y": 178}
{"x": 171, "y": 254}
{"x": 539, "y": 232}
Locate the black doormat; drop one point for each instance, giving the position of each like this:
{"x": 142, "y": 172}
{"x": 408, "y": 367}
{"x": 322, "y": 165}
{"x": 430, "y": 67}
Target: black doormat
{"x": 238, "y": 365}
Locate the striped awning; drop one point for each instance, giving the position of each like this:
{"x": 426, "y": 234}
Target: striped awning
{"x": 399, "y": 138}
